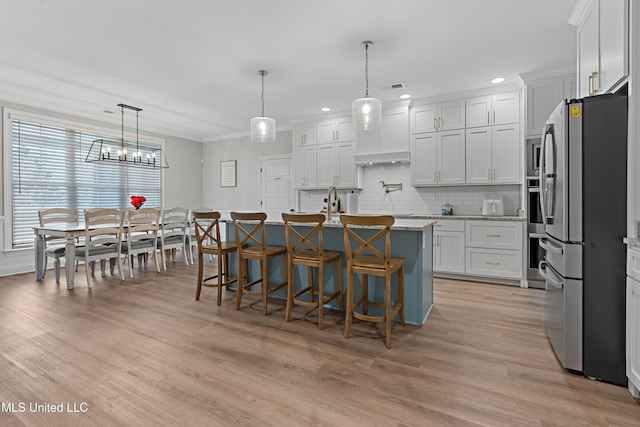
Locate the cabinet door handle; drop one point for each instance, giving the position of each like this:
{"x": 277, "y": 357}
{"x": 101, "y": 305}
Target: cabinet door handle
{"x": 435, "y": 123}
{"x": 492, "y": 262}
{"x": 437, "y": 240}
{"x": 493, "y": 235}
{"x": 595, "y": 76}
{"x": 591, "y": 84}
{"x": 494, "y": 117}
{"x": 488, "y": 117}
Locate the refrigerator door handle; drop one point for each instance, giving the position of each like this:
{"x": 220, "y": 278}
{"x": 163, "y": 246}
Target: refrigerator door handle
{"x": 542, "y": 269}
{"x": 550, "y": 247}
{"x": 547, "y": 176}
{"x": 542, "y": 194}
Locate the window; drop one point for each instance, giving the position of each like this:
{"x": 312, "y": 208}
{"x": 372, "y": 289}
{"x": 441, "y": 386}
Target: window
{"x": 48, "y": 169}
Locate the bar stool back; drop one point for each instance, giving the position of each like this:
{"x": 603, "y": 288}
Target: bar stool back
{"x": 305, "y": 248}
{"x": 376, "y": 263}
{"x": 249, "y": 230}
{"x": 207, "y": 232}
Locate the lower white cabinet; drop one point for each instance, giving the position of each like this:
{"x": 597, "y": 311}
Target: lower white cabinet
{"x": 494, "y": 249}
{"x": 633, "y": 321}
{"x": 448, "y": 242}
{"x": 494, "y": 263}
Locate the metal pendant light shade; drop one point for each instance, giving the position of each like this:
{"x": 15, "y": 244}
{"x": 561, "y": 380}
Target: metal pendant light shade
{"x": 366, "y": 112}
{"x": 263, "y": 129}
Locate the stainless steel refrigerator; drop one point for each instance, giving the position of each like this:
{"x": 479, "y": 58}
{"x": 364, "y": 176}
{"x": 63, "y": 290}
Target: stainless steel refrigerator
{"x": 583, "y": 176}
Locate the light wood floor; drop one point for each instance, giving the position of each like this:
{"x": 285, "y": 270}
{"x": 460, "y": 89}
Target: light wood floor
{"x": 144, "y": 352}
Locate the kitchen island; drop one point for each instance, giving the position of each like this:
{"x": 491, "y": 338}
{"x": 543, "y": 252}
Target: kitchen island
{"x": 411, "y": 239}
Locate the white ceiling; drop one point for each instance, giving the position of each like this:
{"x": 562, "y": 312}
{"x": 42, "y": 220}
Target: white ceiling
{"x": 191, "y": 65}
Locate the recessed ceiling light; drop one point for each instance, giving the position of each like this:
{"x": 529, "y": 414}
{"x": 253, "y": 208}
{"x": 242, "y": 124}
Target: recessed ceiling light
{"x": 405, "y": 96}
{"x": 497, "y": 80}
{"x": 325, "y": 109}
{"x": 108, "y": 111}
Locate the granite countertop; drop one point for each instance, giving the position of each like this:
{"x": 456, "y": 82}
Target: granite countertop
{"x": 632, "y": 242}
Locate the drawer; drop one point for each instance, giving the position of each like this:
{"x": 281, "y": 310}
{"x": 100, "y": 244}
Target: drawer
{"x": 449, "y": 225}
{"x": 494, "y": 263}
{"x": 633, "y": 263}
{"x": 494, "y": 234}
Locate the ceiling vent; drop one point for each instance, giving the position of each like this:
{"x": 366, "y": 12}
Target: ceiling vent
{"x": 392, "y": 86}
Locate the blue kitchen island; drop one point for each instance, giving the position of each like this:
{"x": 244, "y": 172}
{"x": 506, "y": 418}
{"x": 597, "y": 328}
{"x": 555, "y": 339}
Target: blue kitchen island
{"x": 411, "y": 239}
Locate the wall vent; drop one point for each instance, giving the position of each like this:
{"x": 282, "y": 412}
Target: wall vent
{"x": 392, "y": 86}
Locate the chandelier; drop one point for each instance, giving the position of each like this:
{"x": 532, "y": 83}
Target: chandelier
{"x": 366, "y": 112}
{"x": 263, "y": 129}
{"x": 126, "y": 152}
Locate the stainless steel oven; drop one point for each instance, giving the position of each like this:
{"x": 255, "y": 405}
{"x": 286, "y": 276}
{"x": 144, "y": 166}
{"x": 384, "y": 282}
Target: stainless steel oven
{"x": 535, "y": 231}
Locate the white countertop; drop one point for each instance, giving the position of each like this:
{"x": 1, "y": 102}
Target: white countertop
{"x": 461, "y": 217}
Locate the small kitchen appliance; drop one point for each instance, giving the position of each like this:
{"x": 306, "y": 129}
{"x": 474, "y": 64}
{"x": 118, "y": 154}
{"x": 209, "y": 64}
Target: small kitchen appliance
{"x": 492, "y": 207}
{"x": 447, "y": 209}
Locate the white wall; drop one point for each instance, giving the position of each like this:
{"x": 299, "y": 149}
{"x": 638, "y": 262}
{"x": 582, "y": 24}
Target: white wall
{"x": 245, "y": 195}
{"x": 466, "y": 200}
{"x": 182, "y": 182}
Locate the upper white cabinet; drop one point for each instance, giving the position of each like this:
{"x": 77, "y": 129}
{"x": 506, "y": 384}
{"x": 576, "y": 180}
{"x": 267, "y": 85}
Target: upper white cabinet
{"x": 603, "y": 41}
{"x": 391, "y": 137}
{"x": 336, "y": 166}
{"x": 493, "y": 155}
{"x": 304, "y": 134}
{"x": 499, "y": 109}
{"x": 437, "y": 117}
{"x": 305, "y": 167}
{"x": 335, "y": 130}
{"x": 438, "y": 158}
{"x": 542, "y": 96}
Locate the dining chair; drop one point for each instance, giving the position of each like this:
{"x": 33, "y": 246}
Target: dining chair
{"x": 55, "y": 247}
{"x": 207, "y": 232}
{"x": 304, "y": 238}
{"x": 361, "y": 232}
{"x": 103, "y": 238}
{"x": 174, "y": 230}
{"x": 250, "y": 237}
{"x": 142, "y": 235}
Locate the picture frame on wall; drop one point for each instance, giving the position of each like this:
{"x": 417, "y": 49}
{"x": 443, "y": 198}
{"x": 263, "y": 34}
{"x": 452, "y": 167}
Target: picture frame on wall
{"x": 228, "y": 173}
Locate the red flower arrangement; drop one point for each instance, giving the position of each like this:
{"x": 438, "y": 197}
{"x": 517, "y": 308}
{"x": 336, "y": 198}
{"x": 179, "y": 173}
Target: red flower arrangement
{"x": 137, "y": 201}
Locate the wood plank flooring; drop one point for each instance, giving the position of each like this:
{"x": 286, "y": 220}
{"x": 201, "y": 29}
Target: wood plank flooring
{"x": 143, "y": 352}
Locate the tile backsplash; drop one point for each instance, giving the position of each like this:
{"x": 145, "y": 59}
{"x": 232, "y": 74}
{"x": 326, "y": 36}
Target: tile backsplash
{"x": 466, "y": 200}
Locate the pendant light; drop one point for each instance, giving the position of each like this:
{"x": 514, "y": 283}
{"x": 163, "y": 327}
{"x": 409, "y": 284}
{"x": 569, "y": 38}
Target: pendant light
{"x": 366, "y": 112}
{"x": 263, "y": 129}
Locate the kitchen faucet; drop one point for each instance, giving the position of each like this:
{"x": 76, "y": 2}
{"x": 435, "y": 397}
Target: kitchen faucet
{"x": 335, "y": 199}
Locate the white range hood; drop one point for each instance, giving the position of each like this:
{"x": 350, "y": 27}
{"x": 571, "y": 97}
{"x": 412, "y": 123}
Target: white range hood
{"x": 382, "y": 158}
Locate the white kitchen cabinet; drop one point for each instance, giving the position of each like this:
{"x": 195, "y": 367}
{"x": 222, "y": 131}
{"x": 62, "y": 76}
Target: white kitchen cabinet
{"x": 305, "y": 166}
{"x": 437, "y": 117}
{"x": 391, "y": 137}
{"x": 448, "y": 245}
{"x": 505, "y": 154}
{"x": 438, "y": 158}
{"x": 304, "y": 134}
{"x": 633, "y": 322}
{"x": 497, "y": 109}
{"x": 603, "y": 40}
{"x": 542, "y": 96}
{"x": 336, "y": 166}
{"x": 335, "y": 130}
{"x": 478, "y": 155}
{"x": 494, "y": 249}
{"x": 493, "y": 155}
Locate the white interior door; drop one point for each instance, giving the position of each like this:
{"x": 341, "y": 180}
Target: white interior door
{"x": 276, "y": 184}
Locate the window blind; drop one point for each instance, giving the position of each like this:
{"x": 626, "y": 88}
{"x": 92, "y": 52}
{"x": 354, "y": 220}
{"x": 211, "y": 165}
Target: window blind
{"x": 49, "y": 170}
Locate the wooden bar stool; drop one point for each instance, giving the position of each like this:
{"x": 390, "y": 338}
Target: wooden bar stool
{"x": 307, "y": 250}
{"x": 249, "y": 230}
{"x": 376, "y": 264}
{"x": 207, "y": 232}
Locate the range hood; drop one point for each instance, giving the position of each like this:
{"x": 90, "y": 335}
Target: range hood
{"x": 366, "y": 159}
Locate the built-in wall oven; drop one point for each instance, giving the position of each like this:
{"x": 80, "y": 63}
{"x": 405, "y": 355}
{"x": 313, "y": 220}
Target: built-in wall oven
{"x": 535, "y": 226}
